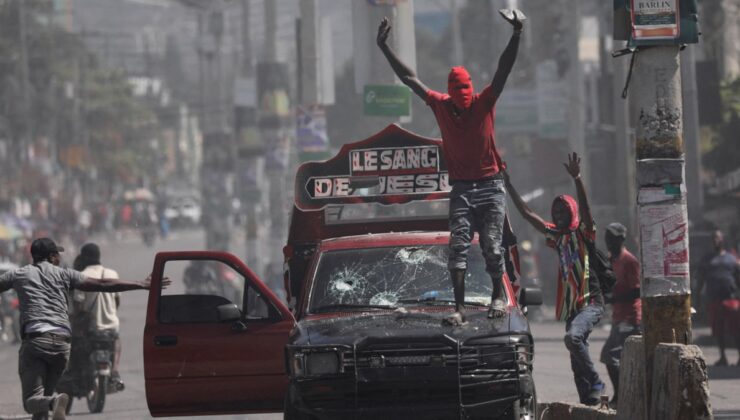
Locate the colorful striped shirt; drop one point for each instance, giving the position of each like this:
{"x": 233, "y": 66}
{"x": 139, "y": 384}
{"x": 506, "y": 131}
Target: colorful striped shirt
{"x": 573, "y": 270}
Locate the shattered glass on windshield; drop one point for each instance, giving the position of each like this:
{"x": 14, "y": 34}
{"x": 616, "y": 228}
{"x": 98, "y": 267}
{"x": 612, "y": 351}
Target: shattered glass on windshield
{"x": 387, "y": 276}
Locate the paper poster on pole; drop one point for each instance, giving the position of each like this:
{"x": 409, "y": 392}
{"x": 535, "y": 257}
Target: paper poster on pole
{"x": 664, "y": 234}
{"x": 655, "y": 19}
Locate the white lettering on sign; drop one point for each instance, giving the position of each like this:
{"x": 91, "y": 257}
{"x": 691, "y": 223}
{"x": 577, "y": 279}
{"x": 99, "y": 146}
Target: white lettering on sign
{"x": 326, "y": 187}
{"x": 424, "y": 159}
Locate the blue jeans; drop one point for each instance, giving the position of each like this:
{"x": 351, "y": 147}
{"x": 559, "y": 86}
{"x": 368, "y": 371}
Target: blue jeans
{"x": 577, "y": 330}
{"x": 477, "y": 206}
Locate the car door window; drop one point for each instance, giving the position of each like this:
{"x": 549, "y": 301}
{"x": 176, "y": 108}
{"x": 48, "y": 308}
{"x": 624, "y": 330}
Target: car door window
{"x": 198, "y": 288}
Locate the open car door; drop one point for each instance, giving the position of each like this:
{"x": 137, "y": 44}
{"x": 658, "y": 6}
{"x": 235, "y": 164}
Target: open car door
{"x": 214, "y": 339}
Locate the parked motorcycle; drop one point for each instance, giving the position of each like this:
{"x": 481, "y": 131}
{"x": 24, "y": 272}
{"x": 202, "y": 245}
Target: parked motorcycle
{"x": 89, "y": 373}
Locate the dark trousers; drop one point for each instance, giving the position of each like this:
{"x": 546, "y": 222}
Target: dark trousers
{"x": 41, "y": 362}
{"x": 611, "y": 353}
{"x": 577, "y": 330}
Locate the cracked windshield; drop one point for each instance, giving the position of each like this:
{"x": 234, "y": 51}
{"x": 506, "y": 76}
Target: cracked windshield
{"x": 392, "y": 277}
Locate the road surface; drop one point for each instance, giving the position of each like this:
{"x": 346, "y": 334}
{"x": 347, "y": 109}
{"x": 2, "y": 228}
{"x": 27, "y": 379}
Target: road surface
{"x": 553, "y": 377}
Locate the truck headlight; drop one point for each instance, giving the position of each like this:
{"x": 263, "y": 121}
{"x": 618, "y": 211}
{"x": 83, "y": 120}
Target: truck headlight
{"x": 305, "y": 363}
{"x": 322, "y": 363}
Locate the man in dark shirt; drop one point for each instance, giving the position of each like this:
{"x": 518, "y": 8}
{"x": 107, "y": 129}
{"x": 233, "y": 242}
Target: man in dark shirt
{"x": 626, "y": 303}
{"x": 720, "y": 272}
{"x": 478, "y": 197}
{"x": 42, "y": 289}
{"x": 580, "y": 301}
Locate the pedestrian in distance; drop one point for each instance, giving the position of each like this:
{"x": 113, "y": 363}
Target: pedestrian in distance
{"x": 625, "y": 300}
{"x": 580, "y": 303}
{"x": 719, "y": 271}
{"x": 42, "y": 289}
{"x": 96, "y": 313}
{"x": 478, "y": 197}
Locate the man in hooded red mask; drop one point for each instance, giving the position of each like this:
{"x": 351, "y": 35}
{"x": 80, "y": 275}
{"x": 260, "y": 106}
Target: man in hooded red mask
{"x": 580, "y": 302}
{"x": 478, "y": 197}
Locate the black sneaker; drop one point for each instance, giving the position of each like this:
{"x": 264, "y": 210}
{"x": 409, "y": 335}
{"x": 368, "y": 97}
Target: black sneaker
{"x": 59, "y": 407}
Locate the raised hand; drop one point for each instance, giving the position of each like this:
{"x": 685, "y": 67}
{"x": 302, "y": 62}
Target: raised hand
{"x": 383, "y": 31}
{"x": 515, "y": 17}
{"x": 574, "y": 165}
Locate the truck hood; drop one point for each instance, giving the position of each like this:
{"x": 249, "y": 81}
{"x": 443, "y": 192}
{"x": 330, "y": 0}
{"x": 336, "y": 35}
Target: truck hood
{"x": 352, "y": 328}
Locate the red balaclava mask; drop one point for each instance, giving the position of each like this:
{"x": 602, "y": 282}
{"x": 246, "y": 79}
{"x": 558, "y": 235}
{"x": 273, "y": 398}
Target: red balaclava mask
{"x": 572, "y": 205}
{"x": 460, "y": 87}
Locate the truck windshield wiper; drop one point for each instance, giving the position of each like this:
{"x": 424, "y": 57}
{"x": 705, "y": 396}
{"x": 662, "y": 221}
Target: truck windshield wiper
{"x": 436, "y": 301}
{"x": 328, "y": 308}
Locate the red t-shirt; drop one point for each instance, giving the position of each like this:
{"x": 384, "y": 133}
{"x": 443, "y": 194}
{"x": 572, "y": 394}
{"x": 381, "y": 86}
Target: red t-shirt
{"x": 467, "y": 141}
{"x": 627, "y": 270}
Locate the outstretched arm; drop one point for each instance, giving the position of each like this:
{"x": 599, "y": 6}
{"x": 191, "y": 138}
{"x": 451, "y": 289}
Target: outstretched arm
{"x": 533, "y": 218}
{"x": 404, "y": 72}
{"x": 116, "y": 285}
{"x": 508, "y": 57}
{"x": 574, "y": 169}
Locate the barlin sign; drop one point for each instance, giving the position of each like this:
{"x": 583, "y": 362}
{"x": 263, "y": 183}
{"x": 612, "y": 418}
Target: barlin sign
{"x": 655, "y": 19}
{"x": 394, "y": 166}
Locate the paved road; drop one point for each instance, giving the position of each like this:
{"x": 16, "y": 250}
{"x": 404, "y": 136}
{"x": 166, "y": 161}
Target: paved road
{"x": 132, "y": 260}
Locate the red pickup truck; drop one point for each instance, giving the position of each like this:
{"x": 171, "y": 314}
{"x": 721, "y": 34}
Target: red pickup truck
{"x": 367, "y": 280}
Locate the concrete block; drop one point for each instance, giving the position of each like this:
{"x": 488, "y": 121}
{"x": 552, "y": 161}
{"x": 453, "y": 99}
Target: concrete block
{"x": 680, "y": 388}
{"x": 632, "y": 404}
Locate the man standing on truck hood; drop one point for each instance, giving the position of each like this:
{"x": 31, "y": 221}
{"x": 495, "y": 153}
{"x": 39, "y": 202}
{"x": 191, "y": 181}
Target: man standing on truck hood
{"x": 42, "y": 289}
{"x": 478, "y": 197}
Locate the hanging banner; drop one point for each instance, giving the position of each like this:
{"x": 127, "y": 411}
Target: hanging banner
{"x": 311, "y": 133}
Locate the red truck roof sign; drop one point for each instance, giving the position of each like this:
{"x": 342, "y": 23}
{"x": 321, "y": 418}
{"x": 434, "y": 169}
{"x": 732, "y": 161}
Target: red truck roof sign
{"x": 393, "y": 166}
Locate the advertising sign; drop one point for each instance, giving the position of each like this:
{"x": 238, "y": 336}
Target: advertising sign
{"x": 387, "y": 100}
{"x": 664, "y": 234}
{"x": 656, "y": 22}
{"x": 311, "y": 136}
{"x": 655, "y": 19}
{"x": 394, "y": 166}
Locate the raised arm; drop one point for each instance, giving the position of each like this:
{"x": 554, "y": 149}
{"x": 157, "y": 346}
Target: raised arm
{"x": 404, "y": 72}
{"x": 508, "y": 57}
{"x": 116, "y": 285}
{"x": 530, "y": 216}
{"x": 574, "y": 169}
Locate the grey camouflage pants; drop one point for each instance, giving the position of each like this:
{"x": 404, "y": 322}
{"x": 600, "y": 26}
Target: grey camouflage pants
{"x": 477, "y": 206}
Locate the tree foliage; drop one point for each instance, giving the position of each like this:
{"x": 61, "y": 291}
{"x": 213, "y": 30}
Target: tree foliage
{"x": 74, "y": 101}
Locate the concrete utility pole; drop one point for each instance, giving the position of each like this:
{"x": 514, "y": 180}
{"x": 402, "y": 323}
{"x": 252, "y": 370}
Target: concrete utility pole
{"x": 251, "y": 164}
{"x": 662, "y": 215}
{"x": 694, "y": 183}
{"x": 26, "y": 136}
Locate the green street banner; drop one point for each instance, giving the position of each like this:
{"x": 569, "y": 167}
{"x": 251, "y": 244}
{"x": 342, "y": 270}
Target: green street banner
{"x": 387, "y": 100}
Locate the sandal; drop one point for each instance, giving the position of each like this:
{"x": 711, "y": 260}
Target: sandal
{"x": 456, "y": 320}
{"x": 497, "y": 309}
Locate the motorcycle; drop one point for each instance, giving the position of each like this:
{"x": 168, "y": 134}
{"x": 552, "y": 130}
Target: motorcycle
{"x": 89, "y": 373}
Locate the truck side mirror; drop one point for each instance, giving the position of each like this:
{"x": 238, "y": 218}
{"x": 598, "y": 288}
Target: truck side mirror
{"x": 530, "y": 296}
{"x": 228, "y": 312}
